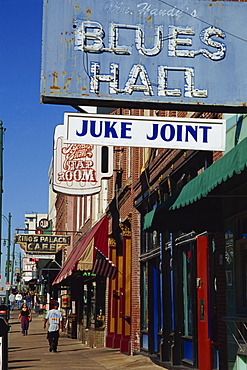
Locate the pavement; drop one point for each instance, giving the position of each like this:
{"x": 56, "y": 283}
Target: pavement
{"x": 32, "y": 351}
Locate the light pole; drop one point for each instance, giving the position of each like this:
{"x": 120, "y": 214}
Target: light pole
{"x": 13, "y": 264}
{"x": 19, "y": 266}
{"x": 1, "y": 185}
{"x": 8, "y": 255}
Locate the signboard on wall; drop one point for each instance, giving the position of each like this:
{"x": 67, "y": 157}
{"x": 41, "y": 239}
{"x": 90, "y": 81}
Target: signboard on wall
{"x": 179, "y": 54}
{"x": 78, "y": 167}
{"x": 147, "y": 132}
{"x": 36, "y": 244}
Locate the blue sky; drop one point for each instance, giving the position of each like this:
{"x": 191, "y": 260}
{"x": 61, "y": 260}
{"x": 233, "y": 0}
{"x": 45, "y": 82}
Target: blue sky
{"x": 28, "y": 138}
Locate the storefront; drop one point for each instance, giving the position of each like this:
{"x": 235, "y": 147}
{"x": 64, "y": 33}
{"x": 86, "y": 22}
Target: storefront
{"x": 82, "y": 282}
{"x": 119, "y": 294}
{"x": 207, "y": 268}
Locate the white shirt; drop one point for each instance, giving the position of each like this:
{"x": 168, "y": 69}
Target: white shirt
{"x": 18, "y": 297}
{"x": 54, "y": 317}
{"x": 11, "y": 297}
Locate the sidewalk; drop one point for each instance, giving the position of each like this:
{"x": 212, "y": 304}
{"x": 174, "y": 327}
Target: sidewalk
{"x": 31, "y": 351}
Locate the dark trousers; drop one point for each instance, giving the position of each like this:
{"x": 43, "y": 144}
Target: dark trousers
{"x": 52, "y": 337}
{"x": 24, "y": 324}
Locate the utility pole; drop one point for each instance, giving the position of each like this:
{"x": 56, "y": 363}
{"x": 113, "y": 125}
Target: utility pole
{"x": 8, "y": 257}
{"x": 1, "y": 188}
{"x": 13, "y": 265}
{"x": 20, "y": 272}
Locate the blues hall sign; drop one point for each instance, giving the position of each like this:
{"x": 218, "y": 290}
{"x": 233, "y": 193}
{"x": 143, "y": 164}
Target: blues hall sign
{"x": 126, "y": 53}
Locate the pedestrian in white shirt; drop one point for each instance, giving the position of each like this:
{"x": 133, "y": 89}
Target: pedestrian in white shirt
{"x": 18, "y": 299}
{"x": 12, "y": 301}
{"x": 54, "y": 317}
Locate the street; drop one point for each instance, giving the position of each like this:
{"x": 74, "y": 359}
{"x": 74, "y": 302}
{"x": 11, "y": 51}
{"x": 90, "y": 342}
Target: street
{"x": 32, "y": 351}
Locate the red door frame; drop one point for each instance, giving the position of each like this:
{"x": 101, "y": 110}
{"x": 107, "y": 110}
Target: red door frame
{"x": 203, "y": 317}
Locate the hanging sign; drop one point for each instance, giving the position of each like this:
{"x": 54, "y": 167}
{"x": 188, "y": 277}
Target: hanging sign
{"x": 36, "y": 244}
{"x": 78, "y": 167}
{"x": 148, "y": 132}
{"x": 180, "y": 54}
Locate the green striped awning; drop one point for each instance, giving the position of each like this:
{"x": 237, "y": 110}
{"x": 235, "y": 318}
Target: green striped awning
{"x": 163, "y": 207}
{"x": 148, "y": 219}
{"x": 233, "y": 162}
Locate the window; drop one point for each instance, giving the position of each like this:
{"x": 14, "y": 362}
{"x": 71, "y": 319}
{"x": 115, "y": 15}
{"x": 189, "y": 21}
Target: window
{"x": 241, "y": 276}
{"x": 144, "y": 295}
{"x": 80, "y": 212}
{"x": 241, "y": 266}
{"x": 94, "y": 303}
{"x": 187, "y": 292}
{"x": 88, "y": 207}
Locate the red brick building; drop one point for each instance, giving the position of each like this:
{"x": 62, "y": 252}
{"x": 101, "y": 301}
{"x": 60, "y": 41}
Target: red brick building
{"x": 151, "y": 306}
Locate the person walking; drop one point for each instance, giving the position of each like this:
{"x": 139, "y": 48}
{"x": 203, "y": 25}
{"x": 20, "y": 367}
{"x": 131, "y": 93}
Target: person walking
{"x": 28, "y": 300}
{"x": 18, "y": 299}
{"x": 54, "y": 317}
{"x": 25, "y": 316}
{"x": 12, "y": 301}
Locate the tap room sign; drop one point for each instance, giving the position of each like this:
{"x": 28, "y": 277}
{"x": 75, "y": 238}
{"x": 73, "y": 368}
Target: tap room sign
{"x": 147, "y": 132}
{"x": 178, "y": 54}
{"x": 42, "y": 244}
{"x": 78, "y": 168}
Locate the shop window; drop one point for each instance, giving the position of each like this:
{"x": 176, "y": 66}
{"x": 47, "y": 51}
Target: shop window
{"x": 150, "y": 241}
{"x": 94, "y": 303}
{"x": 244, "y": 277}
{"x": 154, "y": 305}
{"x": 86, "y": 305}
{"x": 155, "y": 239}
{"x": 100, "y": 303}
{"x": 144, "y": 295}
{"x": 146, "y": 242}
{"x": 242, "y": 228}
{"x": 189, "y": 302}
{"x": 241, "y": 276}
{"x": 187, "y": 292}
{"x": 241, "y": 267}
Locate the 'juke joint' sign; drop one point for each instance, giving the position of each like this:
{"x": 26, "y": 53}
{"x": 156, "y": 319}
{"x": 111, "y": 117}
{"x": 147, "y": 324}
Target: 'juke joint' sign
{"x": 147, "y": 132}
{"x": 183, "y": 53}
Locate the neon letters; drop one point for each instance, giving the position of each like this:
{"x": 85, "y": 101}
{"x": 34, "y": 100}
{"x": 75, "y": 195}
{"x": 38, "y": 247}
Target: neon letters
{"x": 90, "y": 38}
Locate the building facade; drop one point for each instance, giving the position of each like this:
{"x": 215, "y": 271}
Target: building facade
{"x": 170, "y": 294}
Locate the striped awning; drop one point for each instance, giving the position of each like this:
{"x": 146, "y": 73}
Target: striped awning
{"x": 83, "y": 255}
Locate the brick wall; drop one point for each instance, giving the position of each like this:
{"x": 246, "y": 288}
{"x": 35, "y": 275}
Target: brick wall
{"x": 135, "y": 283}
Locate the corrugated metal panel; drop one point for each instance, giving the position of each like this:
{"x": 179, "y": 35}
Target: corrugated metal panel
{"x": 189, "y": 53}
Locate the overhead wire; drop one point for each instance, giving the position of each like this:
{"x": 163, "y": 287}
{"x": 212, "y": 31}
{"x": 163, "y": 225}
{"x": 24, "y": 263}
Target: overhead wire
{"x": 201, "y": 20}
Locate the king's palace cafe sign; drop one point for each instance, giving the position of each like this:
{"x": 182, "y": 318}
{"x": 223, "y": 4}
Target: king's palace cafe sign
{"x": 40, "y": 244}
{"x": 143, "y": 131}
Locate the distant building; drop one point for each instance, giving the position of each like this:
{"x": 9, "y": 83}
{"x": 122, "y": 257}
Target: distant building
{"x": 32, "y": 225}
{"x": 32, "y": 221}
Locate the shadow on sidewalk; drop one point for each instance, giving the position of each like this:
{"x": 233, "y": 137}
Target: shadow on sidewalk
{"x": 30, "y": 360}
{"x": 13, "y": 348}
